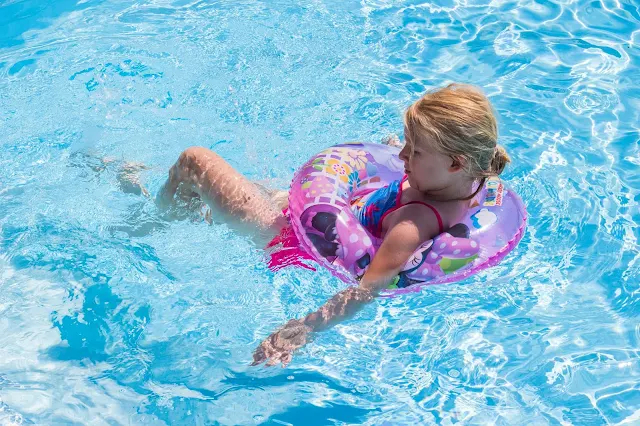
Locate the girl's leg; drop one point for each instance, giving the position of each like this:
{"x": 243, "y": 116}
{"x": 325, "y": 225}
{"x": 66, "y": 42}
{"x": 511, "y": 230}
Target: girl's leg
{"x": 129, "y": 180}
{"x": 231, "y": 197}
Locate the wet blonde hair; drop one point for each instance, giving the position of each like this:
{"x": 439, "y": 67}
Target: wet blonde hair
{"x": 458, "y": 121}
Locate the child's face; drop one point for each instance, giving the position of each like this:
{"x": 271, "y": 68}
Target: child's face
{"x": 428, "y": 169}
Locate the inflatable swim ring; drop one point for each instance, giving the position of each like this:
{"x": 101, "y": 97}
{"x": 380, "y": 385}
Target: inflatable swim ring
{"x": 324, "y": 189}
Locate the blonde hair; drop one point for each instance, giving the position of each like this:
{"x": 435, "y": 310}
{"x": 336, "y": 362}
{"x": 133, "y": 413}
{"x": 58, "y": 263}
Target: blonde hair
{"x": 458, "y": 121}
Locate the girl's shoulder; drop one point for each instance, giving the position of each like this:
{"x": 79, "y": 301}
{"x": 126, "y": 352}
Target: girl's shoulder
{"x": 451, "y": 212}
{"x": 434, "y": 215}
{"x": 426, "y": 219}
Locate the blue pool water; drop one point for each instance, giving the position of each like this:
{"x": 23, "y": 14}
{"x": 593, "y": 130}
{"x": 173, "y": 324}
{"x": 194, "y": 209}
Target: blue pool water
{"x": 111, "y": 315}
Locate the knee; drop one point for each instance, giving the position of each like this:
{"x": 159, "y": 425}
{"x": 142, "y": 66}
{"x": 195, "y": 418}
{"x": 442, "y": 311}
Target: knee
{"x": 190, "y": 156}
{"x": 191, "y": 160}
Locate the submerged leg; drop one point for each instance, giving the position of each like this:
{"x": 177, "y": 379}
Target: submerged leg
{"x": 231, "y": 197}
{"x": 129, "y": 179}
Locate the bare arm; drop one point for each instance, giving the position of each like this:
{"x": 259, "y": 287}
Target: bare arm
{"x": 402, "y": 239}
{"x": 399, "y": 243}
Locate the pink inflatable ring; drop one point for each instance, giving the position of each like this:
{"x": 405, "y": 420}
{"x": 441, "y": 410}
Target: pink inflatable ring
{"x": 324, "y": 189}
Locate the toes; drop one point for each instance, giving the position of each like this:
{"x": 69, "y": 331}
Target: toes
{"x": 286, "y": 359}
{"x": 273, "y": 361}
{"x": 258, "y": 356}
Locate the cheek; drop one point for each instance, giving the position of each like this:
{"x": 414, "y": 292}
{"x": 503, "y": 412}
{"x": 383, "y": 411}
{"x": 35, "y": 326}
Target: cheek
{"x": 434, "y": 172}
{"x": 445, "y": 163}
{"x": 427, "y": 166}
{"x": 439, "y": 167}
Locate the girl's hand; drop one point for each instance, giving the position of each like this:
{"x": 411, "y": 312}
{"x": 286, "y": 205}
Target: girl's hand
{"x": 279, "y": 347}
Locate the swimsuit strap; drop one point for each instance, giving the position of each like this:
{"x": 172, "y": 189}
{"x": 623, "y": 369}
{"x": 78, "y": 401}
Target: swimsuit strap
{"x": 434, "y": 210}
{"x": 398, "y": 205}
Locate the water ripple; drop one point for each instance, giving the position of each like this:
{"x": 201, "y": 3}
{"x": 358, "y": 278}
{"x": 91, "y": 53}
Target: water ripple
{"x": 587, "y": 99}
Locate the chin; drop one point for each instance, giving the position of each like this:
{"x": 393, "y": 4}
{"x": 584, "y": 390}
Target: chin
{"x": 412, "y": 183}
{"x": 410, "y": 180}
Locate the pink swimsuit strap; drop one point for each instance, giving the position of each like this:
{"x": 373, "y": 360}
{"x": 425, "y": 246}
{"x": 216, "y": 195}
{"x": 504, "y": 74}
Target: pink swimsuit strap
{"x": 398, "y": 205}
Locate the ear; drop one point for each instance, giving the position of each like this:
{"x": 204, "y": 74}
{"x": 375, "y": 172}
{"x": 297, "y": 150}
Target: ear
{"x": 457, "y": 163}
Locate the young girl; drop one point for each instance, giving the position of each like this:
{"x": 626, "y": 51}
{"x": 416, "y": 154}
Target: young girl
{"x": 450, "y": 149}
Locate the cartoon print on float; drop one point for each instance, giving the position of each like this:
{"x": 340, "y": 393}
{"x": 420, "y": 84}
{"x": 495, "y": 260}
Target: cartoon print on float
{"x": 447, "y": 253}
{"x": 323, "y": 230}
{"x": 483, "y": 218}
{"x": 320, "y": 228}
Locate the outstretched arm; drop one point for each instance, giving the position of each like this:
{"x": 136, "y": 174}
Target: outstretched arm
{"x": 398, "y": 245}
{"x": 401, "y": 241}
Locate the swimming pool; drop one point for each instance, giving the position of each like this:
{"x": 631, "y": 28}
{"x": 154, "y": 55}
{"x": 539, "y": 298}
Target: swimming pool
{"x": 111, "y": 315}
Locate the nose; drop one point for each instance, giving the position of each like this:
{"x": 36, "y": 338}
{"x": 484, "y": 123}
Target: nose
{"x": 404, "y": 153}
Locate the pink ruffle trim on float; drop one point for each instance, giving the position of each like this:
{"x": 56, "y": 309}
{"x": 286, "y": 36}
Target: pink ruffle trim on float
{"x": 284, "y": 250}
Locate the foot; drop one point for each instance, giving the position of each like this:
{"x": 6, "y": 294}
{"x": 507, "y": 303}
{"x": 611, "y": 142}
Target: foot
{"x": 392, "y": 140}
{"x": 129, "y": 179}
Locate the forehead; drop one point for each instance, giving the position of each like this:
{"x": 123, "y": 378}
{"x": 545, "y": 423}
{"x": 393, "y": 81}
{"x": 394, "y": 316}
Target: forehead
{"x": 409, "y": 136}
{"x": 416, "y": 140}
